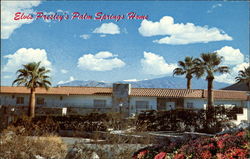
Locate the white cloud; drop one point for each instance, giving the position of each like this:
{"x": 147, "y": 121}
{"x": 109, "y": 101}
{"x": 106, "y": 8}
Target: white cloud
{"x": 64, "y": 71}
{"x": 8, "y": 10}
{"x": 213, "y": 7}
{"x": 217, "y": 5}
{"x": 7, "y": 77}
{"x": 85, "y": 36}
{"x": 103, "y": 35}
{"x": 71, "y": 78}
{"x": 231, "y": 56}
{"x": 131, "y": 80}
{"x": 104, "y": 54}
{"x": 179, "y": 33}
{"x": 62, "y": 11}
{"x": 236, "y": 62}
{"x": 230, "y": 77}
{"x": 108, "y": 28}
{"x": 24, "y": 56}
{"x": 156, "y": 65}
{"x": 102, "y": 61}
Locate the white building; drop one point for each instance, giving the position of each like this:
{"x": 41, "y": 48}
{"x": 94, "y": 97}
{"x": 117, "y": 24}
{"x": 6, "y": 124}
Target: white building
{"x": 121, "y": 98}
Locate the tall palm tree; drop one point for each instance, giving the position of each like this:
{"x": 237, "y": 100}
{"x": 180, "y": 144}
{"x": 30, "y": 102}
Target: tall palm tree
{"x": 208, "y": 65}
{"x": 186, "y": 67}
{"x": 32, "y": 76}
{"x": 244, "y": 76}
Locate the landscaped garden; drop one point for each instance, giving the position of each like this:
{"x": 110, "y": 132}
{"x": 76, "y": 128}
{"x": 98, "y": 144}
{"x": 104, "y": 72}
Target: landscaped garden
{"x": 150, "y": 135}
{"x": 226, "y": 146}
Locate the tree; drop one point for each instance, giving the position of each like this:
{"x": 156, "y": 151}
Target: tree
{"x": 32, "y": 76}
{"x": 208, "y": 65}
{"x": 244, "y": 76}
{"x": 186, "y": 67}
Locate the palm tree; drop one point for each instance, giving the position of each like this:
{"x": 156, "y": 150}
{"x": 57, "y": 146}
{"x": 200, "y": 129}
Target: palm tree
{"x": 186, "y": 67}
{"x": 244, "y": 76}
{"x": 208, "y": 65}
{"x": 32, "y": 76}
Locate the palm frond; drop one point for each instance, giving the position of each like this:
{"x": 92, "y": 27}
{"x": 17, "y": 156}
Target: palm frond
{"x": 222, "y": 69}
{"x": 179, "y": 71}
{"x": 33, "y": 76}
{"x": 243, "y": 75}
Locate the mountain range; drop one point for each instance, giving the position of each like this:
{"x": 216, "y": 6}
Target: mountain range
{"x": 163, "y": 82}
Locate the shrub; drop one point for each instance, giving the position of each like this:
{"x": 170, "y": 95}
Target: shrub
{"x": 13, "y": 146}
{"x": 226, "y": 146}
{"x": 52, "y": 124}
{"x": 176, "y": 120}
{"x": 107, "y": 151}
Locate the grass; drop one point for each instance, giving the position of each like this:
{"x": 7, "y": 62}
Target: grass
{"x": 15, "y": 146}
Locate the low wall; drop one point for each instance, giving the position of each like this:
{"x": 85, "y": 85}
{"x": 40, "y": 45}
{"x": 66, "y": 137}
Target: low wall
{"x": 83, "y": 111}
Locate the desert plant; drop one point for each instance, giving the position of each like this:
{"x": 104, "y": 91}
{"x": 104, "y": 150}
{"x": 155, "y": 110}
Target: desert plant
{"x": 244, "y": 76}
{"x": 32, "y": 76}
{"x": 175, "y": 120}
{"x": 37, "y": 126}
{"x": 13, "y": 146}
{"x": 186, "y": 67}
{"x": 40, "y": 125}
{"x": 209, "y": 65}
{"x": 107, "y": 151}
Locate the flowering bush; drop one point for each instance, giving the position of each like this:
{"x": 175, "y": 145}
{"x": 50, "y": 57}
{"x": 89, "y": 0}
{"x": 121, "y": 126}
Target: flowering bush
{"x": 228, "y": 146}
{"x": 160, "y": 155}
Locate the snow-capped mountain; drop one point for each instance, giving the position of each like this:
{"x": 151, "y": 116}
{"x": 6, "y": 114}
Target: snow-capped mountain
{"x": 164, "y": 82}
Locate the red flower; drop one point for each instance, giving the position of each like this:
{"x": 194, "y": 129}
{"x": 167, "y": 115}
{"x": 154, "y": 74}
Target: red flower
{"x": 242, "y": 133}
{"x": 220, "y": 144}
{"x": 160, "y": 155}
{"x": 142, "y": 154}
{"x": 209, "y": 146}
{"x": 179, "y": 156}
{"x": 220, "y": 156}
{"x": 226, "y": 135}
{"x": 236, "y": 152}
{"x": 206, "y": 154}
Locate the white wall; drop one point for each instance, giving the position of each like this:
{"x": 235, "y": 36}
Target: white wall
{"x": 247, "y": 105}
{"x": 152, "y": 103}
{"x": 54, "y": 100}
{"x": 88, "y": 101}
{"x": 10, "y": 99}
{"x": 84, "y": 101}
{"x": 199, "y": 103}
{"x": 229, "y": 102}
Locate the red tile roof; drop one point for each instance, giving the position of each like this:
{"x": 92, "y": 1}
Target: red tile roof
{"x": 60, "y": 90}
{"x": 148, "y": 92}
{"x": 171, "y": 93}
{"x": 228, "y": 94}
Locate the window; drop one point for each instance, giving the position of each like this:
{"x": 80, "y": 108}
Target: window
{"x": 39, "y": 100}
{"x": 190, "y": 105}
{"x": 142, "y": 104}
{"x": 19, "y": 100}
{"x": 99, "y": 103}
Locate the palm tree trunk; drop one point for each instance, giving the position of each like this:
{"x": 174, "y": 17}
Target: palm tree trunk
{"x": 189, "y": 83}
{"x": 210, "y": 94}
{"x": 32, "y": 103}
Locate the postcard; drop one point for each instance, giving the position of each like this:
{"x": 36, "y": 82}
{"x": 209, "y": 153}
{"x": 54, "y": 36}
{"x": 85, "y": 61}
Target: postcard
{"x": 135, "y": 73}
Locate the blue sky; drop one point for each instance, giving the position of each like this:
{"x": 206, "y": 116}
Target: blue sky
{"x": 112, "y": 50}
